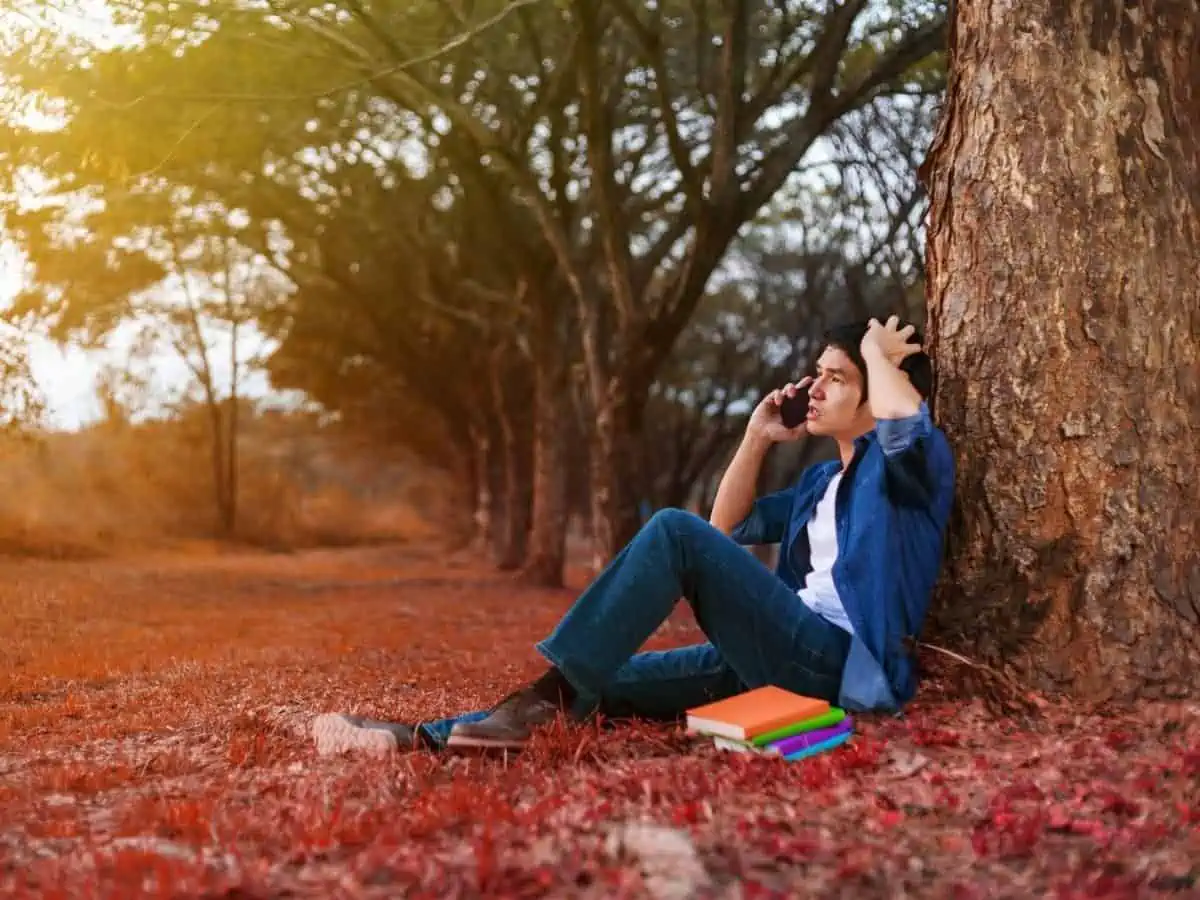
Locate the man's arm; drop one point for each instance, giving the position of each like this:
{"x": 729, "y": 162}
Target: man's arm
{"x": 735, "y": 511}
{"x": 902, "y": 418}
{"x": 889, "y": 391}
{"x": 736, "y": 492}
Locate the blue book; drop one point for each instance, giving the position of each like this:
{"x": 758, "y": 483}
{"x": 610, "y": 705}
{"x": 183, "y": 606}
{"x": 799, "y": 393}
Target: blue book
{"x": 835, "y": 741}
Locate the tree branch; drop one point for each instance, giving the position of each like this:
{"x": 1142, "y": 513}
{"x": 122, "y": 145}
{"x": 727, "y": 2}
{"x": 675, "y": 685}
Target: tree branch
{"x": 374, "y": 75}
{"x": 798, "y": 138}
{"x": 614, "y": 233}
{"x": 729, "y": 118}
{"x": 681, "y": 154}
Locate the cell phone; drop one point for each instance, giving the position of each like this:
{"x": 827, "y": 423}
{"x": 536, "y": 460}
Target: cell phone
{"x": 794, "y": 410}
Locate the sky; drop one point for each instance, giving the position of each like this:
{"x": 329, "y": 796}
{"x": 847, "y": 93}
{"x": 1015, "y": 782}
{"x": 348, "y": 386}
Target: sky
{"x": 67, "y": 378}
{"x": 67, "y": 374}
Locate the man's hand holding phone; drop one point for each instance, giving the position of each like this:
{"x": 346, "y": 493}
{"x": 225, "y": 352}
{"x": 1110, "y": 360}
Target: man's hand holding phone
{"x": 781, "y": 414}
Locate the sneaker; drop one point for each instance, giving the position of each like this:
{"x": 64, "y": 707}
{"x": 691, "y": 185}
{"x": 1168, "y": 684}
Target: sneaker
{"x": 337, "y": 733}
{"x": 509, "y": 725}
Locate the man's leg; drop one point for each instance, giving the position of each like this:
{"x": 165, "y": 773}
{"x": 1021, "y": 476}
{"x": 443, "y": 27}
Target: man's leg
{"x": 665, "y": 684}
{"x": 437, "y": 732}
{"x": 660, "y": 684}
{"x": 336, "y": 733}
{"x": 757, "y": 625}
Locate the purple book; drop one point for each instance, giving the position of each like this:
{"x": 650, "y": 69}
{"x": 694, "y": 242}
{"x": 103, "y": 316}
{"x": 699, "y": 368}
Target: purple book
{"x": 809, "y": 738}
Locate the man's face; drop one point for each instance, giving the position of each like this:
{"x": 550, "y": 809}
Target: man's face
{"x": 836, "y": 408}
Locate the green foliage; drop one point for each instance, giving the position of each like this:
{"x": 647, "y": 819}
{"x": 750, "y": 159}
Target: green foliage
{"x": 413, "y": 174}
{"x": 22, "y": 404}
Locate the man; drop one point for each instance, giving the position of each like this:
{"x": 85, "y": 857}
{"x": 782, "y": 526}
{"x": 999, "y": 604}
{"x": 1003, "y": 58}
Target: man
{"x": 861, "y": 545}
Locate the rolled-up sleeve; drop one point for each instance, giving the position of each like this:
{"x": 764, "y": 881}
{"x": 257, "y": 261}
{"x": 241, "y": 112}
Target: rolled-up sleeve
{"x": 766, "y": 521}
{"x": 905, "y": 444}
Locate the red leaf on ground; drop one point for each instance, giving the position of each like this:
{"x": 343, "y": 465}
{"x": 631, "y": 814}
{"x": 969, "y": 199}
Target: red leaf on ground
{"x": 177, "y": 764}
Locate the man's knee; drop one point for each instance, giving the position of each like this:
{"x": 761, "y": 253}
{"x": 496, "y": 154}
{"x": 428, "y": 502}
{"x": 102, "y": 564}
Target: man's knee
{"x": 681, "y": 525}
{"x": 675, "y": 521}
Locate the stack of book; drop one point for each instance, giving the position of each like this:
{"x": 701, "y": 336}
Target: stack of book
{"x": 772, "y": 721}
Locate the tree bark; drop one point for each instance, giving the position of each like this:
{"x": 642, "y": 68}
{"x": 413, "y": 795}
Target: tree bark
{"x": 614, "y": 477}
{"x": 481, "y": 458}
{"x": 512, "y": 535}
{"x": 232, "y": 486}
{"x": 553, "y": 414}
{"x": 229, "y": 459}
{"x": 233, "y": 420}
{"x": 1064, "y": 259}
{"x": 219, "y": 447}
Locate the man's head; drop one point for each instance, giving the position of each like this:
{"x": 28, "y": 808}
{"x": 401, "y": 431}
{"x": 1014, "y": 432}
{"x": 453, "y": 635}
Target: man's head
{"x": 838, "y": 405}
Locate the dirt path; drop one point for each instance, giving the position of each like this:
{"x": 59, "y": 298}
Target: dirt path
{"x": 152, "y": 718}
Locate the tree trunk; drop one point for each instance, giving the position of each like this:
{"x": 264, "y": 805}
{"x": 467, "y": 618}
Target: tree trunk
{"x": 481, "y": 457}
{"x": 512, "y": 536}
{"x": 219, "y": 460}
{"x": 1064, "y": 259}
{"x": 617, "y": 401}
{"x": 553, "y": 415}
{"x": 231, "y": 466}
{"x": 614, "y": 476}
{"x": 233, "y": 425}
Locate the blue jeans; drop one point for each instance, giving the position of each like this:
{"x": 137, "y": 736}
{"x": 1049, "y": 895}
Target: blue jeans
{"x": 759, "y": 632}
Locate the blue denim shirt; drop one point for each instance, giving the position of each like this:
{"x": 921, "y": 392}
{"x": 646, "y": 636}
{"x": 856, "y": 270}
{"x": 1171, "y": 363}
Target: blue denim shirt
{"x": 892, "y": 508}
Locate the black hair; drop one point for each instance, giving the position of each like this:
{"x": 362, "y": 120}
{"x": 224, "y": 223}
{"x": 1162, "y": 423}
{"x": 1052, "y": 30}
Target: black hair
{"x": 848, "y": 338}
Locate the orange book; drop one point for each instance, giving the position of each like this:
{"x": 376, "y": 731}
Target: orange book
{"x": 755, "y": 712}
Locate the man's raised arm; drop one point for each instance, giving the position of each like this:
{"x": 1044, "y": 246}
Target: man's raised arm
{"x": 736, "y": 492}
{"x": 915, "y": 476}
{"x": 738, "y": 487}
{"x": 890, "y": 393}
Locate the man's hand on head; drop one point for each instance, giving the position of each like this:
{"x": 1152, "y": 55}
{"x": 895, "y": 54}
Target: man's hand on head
{"x": 884, "y": 348}
{"x": 889, "y": 342}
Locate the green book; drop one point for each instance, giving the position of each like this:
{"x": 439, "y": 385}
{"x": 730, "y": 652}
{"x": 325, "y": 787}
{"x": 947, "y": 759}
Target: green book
{"x": 824, "y": 720}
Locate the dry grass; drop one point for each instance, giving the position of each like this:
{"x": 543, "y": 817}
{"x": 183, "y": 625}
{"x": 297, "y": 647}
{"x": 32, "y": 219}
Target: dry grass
{"x": 152, "y": 716}
{"x": 114, "y": 489}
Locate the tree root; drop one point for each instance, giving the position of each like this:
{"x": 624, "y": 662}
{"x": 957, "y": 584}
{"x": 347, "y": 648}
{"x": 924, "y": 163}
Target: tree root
{"x": 998, "y": 690}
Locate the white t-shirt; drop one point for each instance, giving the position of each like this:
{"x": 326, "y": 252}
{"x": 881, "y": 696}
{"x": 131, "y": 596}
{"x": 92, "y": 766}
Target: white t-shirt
{"x": 819, "y": 592}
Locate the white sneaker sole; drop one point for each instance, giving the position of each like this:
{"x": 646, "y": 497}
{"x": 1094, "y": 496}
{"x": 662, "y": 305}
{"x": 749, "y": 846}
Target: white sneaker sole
{"x": 334, "y": 734}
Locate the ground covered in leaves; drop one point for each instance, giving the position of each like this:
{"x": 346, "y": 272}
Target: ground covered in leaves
{"x": 152, "y": 743}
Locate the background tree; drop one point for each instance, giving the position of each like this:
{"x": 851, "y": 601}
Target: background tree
{"x": 739, "y": 95}
{"x": 708, "y": 114}
{"x": 325, "y": 179}
{"x": 604, "y": 178}
{"x": 188, "y": 286}
{"x": 1064, "y": 250}
{"x": 22, "y": 403}
{"x": 390, "y": 339}
{"x": 842, "y": 242}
